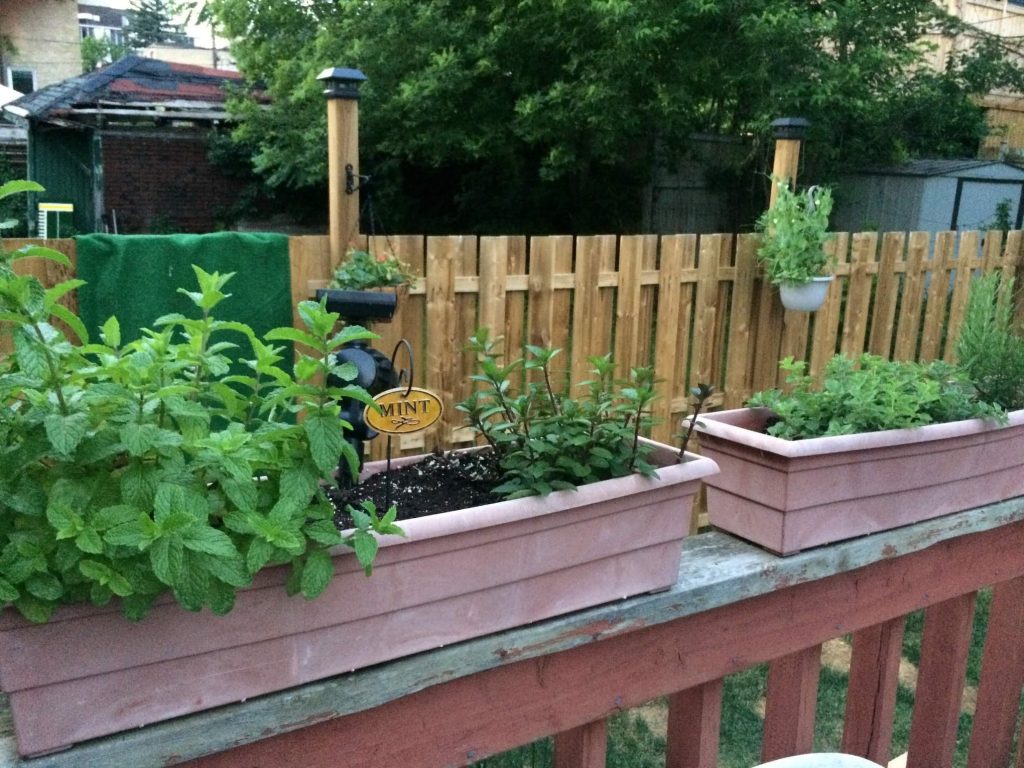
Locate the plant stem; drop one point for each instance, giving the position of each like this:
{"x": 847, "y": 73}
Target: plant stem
{"x": 51, "y": 365}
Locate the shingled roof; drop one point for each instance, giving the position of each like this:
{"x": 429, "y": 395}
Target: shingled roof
{"x": 131, "y": 89}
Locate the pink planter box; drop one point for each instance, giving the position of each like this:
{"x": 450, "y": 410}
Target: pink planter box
{"x": 788, "y": 495}
{"x": 458, "y": 575}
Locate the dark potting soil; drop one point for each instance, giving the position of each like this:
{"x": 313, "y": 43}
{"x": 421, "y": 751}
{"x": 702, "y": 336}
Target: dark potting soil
{"x": 441, "y": 482}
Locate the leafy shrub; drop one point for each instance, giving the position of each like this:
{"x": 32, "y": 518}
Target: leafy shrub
{"x": 870, "y": 394}
{"x": 795, "y": 231}
{"x": 130, "y": 469}
{"x": 364, "y": 270}
{"x": 990, "y": 347}
{"x": 547, "y": 441}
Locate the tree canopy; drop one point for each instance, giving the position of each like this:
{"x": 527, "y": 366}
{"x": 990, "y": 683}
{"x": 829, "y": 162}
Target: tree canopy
{"x": 153, "y": 22}
{"x": 524, "y": 116}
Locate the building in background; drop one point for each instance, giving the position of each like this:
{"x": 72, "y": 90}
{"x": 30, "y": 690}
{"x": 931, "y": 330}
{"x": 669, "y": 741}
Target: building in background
{"x": 38, "y": 47}
{"x": 1004, "y": 110}
{"x": 127, "y": 146}
{"x": 110, "y": 21}
{"x": 40, "y": 43}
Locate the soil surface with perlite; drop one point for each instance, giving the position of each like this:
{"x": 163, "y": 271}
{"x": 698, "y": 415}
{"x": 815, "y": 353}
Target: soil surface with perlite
{"x": 441, "y": 482}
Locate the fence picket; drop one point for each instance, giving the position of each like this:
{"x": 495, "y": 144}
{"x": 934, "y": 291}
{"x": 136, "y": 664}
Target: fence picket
{"x": 667, "y": 336}
{"x": 627, "y": 310}
{"x": 590, "y": 317}
{"x": 737, "y": 368}
{"x": 913, "y": 292}
{"x": 886, "y": 295}
{"x": 858, "y": 297}
{"x": 965, "y": 263}
{"x": 442, "y": 253}
{"x": 706, "y": 310}
{"x": 826, "y": 319}
{"x": 938, "y": 289}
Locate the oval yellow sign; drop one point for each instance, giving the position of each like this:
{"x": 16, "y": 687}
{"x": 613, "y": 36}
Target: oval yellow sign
{"x": 404, "y": 410}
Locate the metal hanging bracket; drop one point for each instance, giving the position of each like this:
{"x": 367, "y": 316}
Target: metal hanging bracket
{"x": 351, "y": 178}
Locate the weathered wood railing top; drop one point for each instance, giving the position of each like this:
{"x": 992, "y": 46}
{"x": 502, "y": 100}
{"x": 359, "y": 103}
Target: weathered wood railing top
{"x": 733, "y": 606}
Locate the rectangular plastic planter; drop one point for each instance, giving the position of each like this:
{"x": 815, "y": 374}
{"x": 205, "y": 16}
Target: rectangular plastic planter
{"x": 457, "y": 575}
{"x": 788, "y": 495}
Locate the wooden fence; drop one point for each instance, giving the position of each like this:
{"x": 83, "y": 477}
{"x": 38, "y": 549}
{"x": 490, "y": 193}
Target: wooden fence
{"x": 693, "y": 306}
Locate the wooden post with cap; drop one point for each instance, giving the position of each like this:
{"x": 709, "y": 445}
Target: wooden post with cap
{"x": 778, "y": 329}
{"x": 342, "y": 92}
{"x": 789, "y": 134}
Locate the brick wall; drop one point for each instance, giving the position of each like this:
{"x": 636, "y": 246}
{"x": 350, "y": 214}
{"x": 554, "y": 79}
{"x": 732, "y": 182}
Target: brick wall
{"x": 163, "y": 182}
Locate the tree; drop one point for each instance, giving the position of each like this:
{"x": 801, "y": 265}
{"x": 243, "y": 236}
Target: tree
{"x": 516, "y": 115}
{"x": 153, "y": 22}
{"x": 98, "y": 51}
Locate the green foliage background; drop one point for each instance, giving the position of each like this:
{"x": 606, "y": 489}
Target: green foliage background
{"x": 488, "y": 115}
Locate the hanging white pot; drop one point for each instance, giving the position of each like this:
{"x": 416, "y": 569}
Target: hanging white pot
{"x": 805, "y": 297}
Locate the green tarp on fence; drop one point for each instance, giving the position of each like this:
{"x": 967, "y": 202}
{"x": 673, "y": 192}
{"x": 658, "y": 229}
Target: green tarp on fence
{"x": 137, "y": 277}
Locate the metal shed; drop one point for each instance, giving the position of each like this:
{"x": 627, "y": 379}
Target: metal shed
{"x": 930, "y": 196}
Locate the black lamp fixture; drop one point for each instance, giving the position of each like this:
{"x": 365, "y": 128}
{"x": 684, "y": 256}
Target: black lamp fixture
{"x": 341, "y": 82}
{"x": 794, "y": 128}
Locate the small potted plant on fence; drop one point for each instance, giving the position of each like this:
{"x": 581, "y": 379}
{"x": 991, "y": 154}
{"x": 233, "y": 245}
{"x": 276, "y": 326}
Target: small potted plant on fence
{"x": 366, "y": 286}
{"x": 878, "y": 444}
{"x": 794, "y": 233}
{"x": 145, "y": 477}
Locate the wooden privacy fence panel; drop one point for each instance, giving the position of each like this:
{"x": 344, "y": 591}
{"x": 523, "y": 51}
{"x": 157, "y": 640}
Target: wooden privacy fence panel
{"x": 694, "y": 307}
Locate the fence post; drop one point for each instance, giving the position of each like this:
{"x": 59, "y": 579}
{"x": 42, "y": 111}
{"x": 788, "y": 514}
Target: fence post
{"x": 789, "y": 134}
{"x": 778, "y": 332}
{"x": 342, "y": 92}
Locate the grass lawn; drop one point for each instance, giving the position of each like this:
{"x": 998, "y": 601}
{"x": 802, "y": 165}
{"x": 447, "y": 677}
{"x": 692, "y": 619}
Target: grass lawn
{"x": 637, "y": 740}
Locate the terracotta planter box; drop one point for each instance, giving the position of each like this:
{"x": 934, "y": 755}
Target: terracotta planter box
{"x": 458, "y": 575}
{"x": 788, "y": 495}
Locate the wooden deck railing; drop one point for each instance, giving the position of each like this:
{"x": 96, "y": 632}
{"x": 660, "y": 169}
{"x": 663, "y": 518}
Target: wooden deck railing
{"x": 733, "y": 606}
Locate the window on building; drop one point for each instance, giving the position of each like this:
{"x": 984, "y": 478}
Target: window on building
{"x": 22, "y": 80}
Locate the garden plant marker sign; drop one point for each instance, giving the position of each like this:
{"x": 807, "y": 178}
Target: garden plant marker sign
{"x": 404, "y": 410}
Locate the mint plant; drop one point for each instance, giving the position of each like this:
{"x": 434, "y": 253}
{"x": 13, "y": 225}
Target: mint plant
{"x": 795, "y": 231}
{"x": 546, "y": 440}
{"x": 701, "y": 394}
{"x": 130, "y": 469}
{"x": 870, "y": 394}
{"x": 362, "y": 270}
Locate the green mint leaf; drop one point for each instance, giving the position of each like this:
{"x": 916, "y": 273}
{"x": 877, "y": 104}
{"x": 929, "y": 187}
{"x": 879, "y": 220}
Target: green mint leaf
{"x": 66, "y": 432}
{"x": 89, "y": 541}
{"x": 299, "y": 482}
{"x": 35, "y": 610}
{"x": 326, "y": 441}
{"x": 203, "y": 538}
{"x": 167, "y": 556}
{"x": 221, "y": 598}
{"x": 323, "y": 532}
{"x": 127, "y": 535}
{"x": 317, "y": 573}
{"x": 365, "y": 546}
{"x": 258, "y": 555}
{"x": 45, "y": 586}
{"x": 8, "y": 593}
